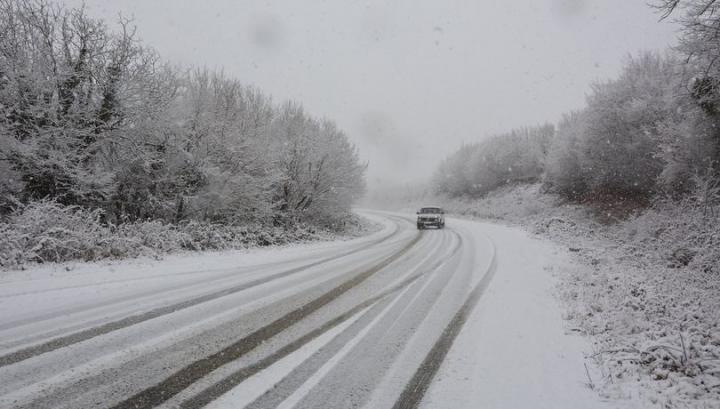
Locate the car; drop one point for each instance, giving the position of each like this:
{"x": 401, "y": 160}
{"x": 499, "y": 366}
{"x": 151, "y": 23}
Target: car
{"x": 430, "y": 216}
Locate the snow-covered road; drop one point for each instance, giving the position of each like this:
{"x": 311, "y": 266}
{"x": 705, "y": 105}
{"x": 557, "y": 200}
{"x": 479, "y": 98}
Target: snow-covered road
{"x": 453, "y": 318}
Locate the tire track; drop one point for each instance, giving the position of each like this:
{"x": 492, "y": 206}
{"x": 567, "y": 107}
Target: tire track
{"x": 283, "y": 393}
{"x": 414, "y": 391}
{"x": 193, "y": 372}
{"x": 216, "y": 390}
{"x": 83, "y": 335}
{"x": 225, "y": 385}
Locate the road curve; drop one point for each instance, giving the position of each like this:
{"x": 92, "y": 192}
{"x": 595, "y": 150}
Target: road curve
{"x": 365, "y": 322}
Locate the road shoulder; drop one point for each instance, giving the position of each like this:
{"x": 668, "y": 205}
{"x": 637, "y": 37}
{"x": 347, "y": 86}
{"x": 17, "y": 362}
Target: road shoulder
{"x": 516, "y": 351}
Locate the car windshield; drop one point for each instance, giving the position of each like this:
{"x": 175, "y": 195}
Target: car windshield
{"x": 430, "y": 210}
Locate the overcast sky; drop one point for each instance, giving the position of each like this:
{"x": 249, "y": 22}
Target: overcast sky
{"x": 408, "y": 80}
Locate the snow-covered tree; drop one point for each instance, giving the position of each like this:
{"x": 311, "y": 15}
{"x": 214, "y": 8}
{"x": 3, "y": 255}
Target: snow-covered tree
{"x": 319, "y": 170}
{"x": 566, "y": 171}
{"x": 476, "y": 169}
{"x": 91, "y": 117}
{"x": 621, "y": 141}
{"x": 699, "y": 135}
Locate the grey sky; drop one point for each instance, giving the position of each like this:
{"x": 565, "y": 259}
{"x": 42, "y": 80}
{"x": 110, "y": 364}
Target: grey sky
{"x": 408, "y": 80}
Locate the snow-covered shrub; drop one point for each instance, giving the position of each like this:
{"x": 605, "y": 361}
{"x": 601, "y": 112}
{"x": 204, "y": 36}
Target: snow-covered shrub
{"x": 685, "y": 233}
{"x": 205, "y": 236}
{"x": 46, "y": 231}
{"x": 208, "y": 236}
{"x": 12, "y": 250}
{"x": 690, "y": 147}
{"x": 10, "y": 182}
{"x": 156, "y": 236}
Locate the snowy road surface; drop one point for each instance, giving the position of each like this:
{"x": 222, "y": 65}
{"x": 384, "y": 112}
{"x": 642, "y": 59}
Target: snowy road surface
{"x": 457, "y": 318}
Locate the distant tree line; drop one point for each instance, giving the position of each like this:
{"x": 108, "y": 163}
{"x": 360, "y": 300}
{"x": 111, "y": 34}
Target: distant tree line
{"x": 91, "y": 117}
{"x": 479, "y": 168}
{"x": 653, "y": 130}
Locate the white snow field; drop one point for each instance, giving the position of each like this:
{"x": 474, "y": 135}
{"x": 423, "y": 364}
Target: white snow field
{"x": 463, "y": 317}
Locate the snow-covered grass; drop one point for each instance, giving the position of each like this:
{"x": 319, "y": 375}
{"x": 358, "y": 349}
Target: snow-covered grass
{"x": 45, "y": 232}
{"x": 646, "y": 289}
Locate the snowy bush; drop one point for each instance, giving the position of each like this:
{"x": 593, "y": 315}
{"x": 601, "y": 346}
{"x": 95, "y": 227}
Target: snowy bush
{"x": 46, "y": 231}
{"x": 154, "y": 235}
{"x": 686, "y": 232}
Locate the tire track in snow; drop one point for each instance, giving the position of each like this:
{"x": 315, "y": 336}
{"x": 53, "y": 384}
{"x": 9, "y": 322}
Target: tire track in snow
{"x": 294, "y": 388}
{"x": 83, "y": 335}
{"x": 225, "y": 385}
{"x": 414, "y": 391}
{"x": 219, "y": 388}
{"x": 191, "y": 373}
